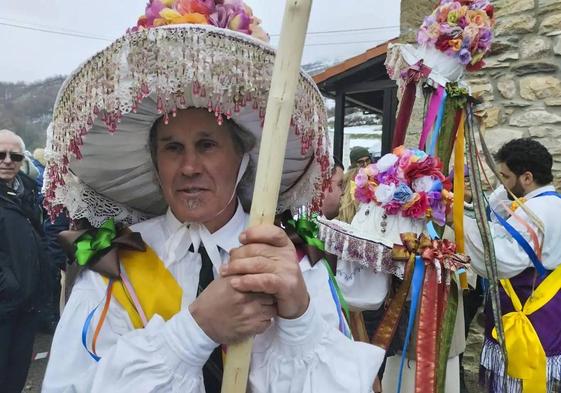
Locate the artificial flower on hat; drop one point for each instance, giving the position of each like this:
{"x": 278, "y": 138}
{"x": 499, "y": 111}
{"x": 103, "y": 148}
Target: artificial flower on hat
{"x": 460, "y": 29}
{"x": 406, "y": 182}
{"x": 227, "y": 14}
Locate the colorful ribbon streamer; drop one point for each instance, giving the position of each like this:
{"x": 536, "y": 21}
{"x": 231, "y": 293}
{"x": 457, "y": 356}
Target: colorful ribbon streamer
{"x": 102, "y": 318}
{"x": 438, "y": 125}
{"x": 432, "y": 113}
{"x": 416, "y": 285}
{"x": 522, "y": 243}
{"x": 412, "y": 76}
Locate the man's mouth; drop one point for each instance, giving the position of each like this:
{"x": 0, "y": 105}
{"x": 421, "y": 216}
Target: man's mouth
{"x": 192, "y": 190}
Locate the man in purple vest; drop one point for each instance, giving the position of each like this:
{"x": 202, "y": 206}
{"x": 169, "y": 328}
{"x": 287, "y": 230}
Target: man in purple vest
{"x": 527, "y": 251}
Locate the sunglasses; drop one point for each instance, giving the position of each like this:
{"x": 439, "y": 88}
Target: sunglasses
{"x": 15, "y": 157}
{"x": 363, "y": 161}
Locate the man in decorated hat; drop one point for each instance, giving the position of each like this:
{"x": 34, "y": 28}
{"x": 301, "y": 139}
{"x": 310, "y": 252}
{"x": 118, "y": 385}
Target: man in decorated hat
{"x": 526, "y": 236}
{"x": 161, "y": 130}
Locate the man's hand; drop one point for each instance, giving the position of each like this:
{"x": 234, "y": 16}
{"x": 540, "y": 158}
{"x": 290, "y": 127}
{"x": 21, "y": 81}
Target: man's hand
{"x": 229, "y": 316}
{"x": 267, "y": 263}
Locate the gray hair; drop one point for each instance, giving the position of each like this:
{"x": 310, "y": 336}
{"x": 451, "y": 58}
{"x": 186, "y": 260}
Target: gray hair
{"x": 244, "y": 142}
{"x": 15, "y": 136}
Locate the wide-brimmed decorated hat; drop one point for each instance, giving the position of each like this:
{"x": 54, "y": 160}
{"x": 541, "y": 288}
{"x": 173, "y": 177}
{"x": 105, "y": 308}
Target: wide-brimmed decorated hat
{"x": 182, "y": 54}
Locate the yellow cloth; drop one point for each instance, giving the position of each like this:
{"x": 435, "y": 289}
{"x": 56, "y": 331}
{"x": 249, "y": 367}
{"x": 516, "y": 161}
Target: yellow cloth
{"x": 157, "y": 290}
{"x": 525, "y": 353}
{"x": 349, "y": 206}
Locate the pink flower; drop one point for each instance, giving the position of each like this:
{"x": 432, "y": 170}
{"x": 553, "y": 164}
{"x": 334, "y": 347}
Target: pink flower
{"x": 392, "y": 208}
{"x": 364, "y": 195}
{"x": 153, "y": 9}
{"x": 371, "y": 170}
{"x": 417, "y": 207}
{"x": 361, "y": 178}
{"x": 205, "y": 7}
{"x": 231, "y": 14}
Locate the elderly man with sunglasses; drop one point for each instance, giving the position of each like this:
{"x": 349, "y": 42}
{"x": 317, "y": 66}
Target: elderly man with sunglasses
{"x": 21, "y": 261}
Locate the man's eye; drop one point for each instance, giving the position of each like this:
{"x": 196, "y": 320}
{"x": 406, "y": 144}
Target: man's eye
{"x": 173, "y": 147}
{"x": 206, "y": 144}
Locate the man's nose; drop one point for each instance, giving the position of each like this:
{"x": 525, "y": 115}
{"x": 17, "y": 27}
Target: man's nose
{"x": 191, "y": 164}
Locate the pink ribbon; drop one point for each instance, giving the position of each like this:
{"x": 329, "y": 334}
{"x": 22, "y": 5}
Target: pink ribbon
{"x": 432, "y": 113}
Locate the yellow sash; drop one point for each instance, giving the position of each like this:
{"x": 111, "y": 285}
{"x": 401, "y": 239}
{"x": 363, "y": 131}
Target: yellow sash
{"x": 525, "y": 353}
{"x": 156, "y": 288}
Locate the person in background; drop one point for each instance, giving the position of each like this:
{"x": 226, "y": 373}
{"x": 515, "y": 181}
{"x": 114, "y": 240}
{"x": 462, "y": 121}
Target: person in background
{"x": 332, "y": 196}
{"x": 360, "y": 158}
{"x": 528, "y": 258}
{"x": 21, "y": 263}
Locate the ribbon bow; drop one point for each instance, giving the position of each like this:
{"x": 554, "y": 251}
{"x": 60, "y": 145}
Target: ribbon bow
{"x": 303, "y": 234}
{"x": 416, "y": 72}
{"x": 444, "y": 251}
{"x": 97, "y": 248}
{"x": 412, "y": 245}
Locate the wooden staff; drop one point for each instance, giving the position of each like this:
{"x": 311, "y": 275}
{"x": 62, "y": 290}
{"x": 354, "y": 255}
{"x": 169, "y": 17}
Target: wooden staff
{"x": 280, "y": 106}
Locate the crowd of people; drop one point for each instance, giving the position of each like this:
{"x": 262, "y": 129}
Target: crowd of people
{"x": 155, "y": 214}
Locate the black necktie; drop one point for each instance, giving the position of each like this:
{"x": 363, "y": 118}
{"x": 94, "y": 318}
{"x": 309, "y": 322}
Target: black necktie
{"x": 212, "y": 370}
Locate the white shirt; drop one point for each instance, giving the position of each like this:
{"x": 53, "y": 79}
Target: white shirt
{"x": 305, "y": 355}
{"x": 511, "y": 258}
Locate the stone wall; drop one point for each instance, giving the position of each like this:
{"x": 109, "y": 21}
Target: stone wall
{"x": 521, "y": 84}
{"x": 412, "y": 15}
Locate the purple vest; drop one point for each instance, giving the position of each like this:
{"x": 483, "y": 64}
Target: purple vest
{"x": 546, "y": 321}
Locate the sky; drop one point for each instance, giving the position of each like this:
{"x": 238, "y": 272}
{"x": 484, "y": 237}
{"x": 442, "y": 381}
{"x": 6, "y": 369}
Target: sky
{"x": 345, "y": 27}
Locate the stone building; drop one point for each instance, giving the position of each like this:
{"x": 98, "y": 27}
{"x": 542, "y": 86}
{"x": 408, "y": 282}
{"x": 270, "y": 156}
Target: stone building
{"x": 520, "y": 87}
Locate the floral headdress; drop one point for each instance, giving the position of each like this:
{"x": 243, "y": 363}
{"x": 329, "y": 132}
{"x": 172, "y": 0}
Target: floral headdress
{"x": 227, "y": 14}
{"x": 407, "y": 182}
{"x": 461, "y": 29}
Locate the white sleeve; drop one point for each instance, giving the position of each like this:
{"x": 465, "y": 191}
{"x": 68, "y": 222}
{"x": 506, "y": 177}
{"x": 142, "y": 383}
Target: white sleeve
{"x": 511, "y": 258}
{"x": 309, "y": 354}
{"x": 496, "y": 200}
{"x": 163, "y": 357}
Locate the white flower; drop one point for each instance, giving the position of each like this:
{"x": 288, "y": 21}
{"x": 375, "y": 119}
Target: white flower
{"x": 384, "y": 193}
{"x": 422, "y": 184}
{"x": 386, "y": 162}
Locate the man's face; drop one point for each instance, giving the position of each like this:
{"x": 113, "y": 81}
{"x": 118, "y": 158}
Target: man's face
{"x": 197, "y": 166}
{"x": 512, "y": 182}
{"x": 332, "y": 199}
{"x": 363, "y": 162}
{"x": 8, "y": 167}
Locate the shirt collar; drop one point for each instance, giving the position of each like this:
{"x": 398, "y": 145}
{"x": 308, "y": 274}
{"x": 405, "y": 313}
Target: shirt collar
{"x": 225, "y": 238}
{"x": 538, "y": 191}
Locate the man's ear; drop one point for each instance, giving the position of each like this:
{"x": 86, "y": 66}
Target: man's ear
{"x": 527, "y": 178}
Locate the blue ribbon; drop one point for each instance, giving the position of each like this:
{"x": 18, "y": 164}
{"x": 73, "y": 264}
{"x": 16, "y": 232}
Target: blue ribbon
{"x": 549, "y": 193}
{"x": 437, "y": 125}
{"x": 342, "y": 325}
{"x": 432, "y": 231}
{"x": 88, "y": 322}
{"x": 416, "y": 286}
{"x": 522, "y": 243}
{"x": 85, "y": 334}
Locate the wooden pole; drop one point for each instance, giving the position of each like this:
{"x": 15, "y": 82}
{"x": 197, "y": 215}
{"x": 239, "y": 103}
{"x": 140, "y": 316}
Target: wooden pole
{"x": 280, "y": 106}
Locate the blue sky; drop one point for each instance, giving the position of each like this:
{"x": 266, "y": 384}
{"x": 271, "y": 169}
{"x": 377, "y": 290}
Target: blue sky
{"x": 29, "y": 55}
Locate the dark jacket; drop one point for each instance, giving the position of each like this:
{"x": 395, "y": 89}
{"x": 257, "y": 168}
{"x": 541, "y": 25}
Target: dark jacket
{"x": 21, "y": 247}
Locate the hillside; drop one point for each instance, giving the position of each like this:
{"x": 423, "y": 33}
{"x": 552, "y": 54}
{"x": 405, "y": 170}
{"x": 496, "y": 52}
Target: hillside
{"x": 27, "y": 108}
